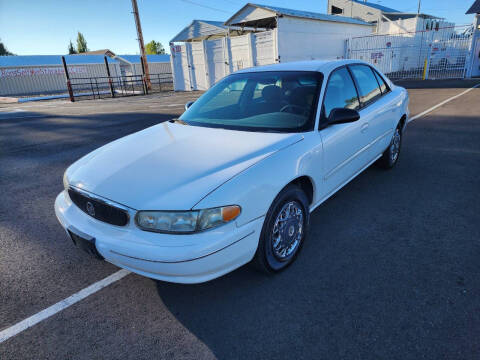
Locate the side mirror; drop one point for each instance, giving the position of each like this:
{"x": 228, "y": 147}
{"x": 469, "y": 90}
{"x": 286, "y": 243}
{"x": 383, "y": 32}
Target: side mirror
{"x": 188, "y": 104}
{"x": 343, "y": 116}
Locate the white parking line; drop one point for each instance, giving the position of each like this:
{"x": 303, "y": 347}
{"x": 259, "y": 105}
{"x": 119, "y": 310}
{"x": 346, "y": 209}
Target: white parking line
{"x": 8, "y": 111}
{"x": 423, "y": 113}
{"x": 7, "y": 115}
{"x": 61, "y": 305}
{"x": 82, "y": 294}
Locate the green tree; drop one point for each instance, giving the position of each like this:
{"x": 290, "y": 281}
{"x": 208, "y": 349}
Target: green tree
{"x": 3, "y": 50}
{"x": 154, "y": 48}
{"x": 71, "y": 49}
{"x": 81, "y": 43}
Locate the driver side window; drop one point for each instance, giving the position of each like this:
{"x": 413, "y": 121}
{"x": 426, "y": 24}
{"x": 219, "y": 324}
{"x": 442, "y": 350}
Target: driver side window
{"x": 340, "y": 92}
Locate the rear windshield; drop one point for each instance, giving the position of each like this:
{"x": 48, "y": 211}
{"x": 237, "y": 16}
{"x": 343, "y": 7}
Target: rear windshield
{"x": 279, "y": 101}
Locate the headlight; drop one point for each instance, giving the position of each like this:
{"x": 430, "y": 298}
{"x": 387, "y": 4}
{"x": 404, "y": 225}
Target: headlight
{"x": 65, "y": 181}
{"x": 186, "y": 221}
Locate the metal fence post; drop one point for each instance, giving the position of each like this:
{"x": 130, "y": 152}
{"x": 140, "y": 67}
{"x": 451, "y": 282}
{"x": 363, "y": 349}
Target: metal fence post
{"x": 96, "y": 85}
{"x": 91, "y": 86}
{"x": 69, "y": 84}
{"x": 427, "y": 60}
{"x": 109, "y": 77}
{"x": 144, "y": 78}
{"x": 425, "y": 70}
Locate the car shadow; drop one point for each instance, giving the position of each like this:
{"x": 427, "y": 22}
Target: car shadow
{"x": 377, "y": 276}
{"x": 327, "y": 302}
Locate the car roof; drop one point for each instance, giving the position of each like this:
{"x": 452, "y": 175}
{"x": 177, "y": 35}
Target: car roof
{"x": 324, "y": 66}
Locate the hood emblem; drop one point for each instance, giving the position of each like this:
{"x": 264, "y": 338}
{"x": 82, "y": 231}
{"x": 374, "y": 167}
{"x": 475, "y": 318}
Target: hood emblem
{"x": 90, "y": 209}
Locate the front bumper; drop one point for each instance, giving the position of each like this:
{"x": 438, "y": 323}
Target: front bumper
{"x": 191, "y": 258}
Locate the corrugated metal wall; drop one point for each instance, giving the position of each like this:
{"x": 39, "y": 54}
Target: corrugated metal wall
{"x": 34, "y": 80}
{"x": 154, "y": 68}
{"x": 48, "y": 79}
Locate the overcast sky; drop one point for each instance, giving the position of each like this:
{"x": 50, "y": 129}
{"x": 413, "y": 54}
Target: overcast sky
{"x": 46, "y": 26}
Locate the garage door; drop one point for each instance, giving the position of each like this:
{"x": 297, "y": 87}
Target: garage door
{"x": 180, "y": 68}
{"x": 199, "y": 75}
{"x": 240, "y": 52}
{"x": 215, "y": 50}
{"x": 264, "y": 48}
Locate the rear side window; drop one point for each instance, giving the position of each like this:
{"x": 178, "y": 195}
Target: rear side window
{"x": 381, "y": 82}
{"x": 340, "y": 92}
{"x": 367, "y": 84}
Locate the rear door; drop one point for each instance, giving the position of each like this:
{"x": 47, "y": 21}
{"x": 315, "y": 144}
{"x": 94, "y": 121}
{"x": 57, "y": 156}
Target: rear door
{"x": 344, "y": 145}
{"x": 377, "y": 108}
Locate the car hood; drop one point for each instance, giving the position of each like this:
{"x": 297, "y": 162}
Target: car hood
{"x": 172, "y": 166}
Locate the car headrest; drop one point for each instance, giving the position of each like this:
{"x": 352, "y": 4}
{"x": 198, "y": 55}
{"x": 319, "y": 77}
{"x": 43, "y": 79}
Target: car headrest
{"x": 303, "y": 95}
{"x": 271, "y": 93}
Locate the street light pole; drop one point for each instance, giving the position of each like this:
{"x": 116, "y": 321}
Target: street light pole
{"x": 140, "y": 43}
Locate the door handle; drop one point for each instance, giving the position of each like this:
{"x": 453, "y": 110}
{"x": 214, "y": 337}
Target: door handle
{"x": 364, "y": 127}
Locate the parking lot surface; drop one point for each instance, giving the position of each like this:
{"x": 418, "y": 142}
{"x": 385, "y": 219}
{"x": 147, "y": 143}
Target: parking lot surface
{"x": 390, "y": 270}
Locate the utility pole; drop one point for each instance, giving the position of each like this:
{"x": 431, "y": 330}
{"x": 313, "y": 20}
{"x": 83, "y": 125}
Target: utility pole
{"x": 140, "y": 43}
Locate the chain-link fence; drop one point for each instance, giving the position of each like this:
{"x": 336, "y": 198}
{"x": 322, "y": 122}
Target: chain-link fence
{"x": 432, "y": 54}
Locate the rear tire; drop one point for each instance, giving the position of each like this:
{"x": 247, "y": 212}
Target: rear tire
{"x": 284, "y": 231}
{"x": 391, "y": 155}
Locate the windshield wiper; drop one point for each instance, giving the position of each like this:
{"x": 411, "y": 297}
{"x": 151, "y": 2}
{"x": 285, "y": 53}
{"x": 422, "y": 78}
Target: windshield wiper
{"x": 178, "y": 121}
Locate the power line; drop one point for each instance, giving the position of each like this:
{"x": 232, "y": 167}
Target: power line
{"x": 206, "y": 6}
{"x": 235, "y": 2}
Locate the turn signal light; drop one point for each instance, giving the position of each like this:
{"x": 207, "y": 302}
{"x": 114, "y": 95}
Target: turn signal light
{"x": 230, "y": 212}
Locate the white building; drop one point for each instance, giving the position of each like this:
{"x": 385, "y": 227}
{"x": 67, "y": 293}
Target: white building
{"x": 406, "y": 44}
{"x": 387, "y": 20}
{"x": 205, "y": 52}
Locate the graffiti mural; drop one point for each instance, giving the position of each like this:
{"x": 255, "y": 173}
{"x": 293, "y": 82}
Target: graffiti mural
{"x": 15, "y": 72}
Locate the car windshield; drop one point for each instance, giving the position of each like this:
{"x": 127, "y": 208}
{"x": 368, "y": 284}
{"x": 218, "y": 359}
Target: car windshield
{"x": 279, "y": 101}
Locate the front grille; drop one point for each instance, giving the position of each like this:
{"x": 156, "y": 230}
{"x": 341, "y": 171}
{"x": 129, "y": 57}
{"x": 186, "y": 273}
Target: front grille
{"x": 98, "y": 209}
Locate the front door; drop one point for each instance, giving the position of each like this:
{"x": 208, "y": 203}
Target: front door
{"x": 344, "y": 145}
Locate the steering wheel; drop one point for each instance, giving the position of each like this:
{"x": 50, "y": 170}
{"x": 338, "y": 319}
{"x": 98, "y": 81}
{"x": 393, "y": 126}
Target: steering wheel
{"x": 303, "y": 110}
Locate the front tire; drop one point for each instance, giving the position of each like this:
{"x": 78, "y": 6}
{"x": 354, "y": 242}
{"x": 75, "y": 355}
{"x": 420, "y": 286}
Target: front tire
{"x": 391, "y": 155}
{"x": 284, "y": 230}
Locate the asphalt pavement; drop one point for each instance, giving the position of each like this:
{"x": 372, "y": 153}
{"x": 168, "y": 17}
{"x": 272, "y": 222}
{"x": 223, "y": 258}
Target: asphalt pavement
{"x": 390, "y": 270}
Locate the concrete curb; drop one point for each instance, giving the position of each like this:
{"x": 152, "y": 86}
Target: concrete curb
{"x": 8, "y": 100}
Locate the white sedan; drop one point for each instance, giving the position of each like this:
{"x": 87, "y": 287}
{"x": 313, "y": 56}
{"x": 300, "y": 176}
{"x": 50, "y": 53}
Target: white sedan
{"x": 235, "y": 178}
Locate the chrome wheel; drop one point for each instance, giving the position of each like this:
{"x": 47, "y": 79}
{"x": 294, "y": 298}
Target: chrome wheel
{"x": 395, "y": 146}
{"x": 287, "y": 230}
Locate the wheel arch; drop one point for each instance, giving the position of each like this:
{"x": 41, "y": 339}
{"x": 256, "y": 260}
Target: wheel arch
{"x": 402, "y": 122}
{"x": 307, "y": 185}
